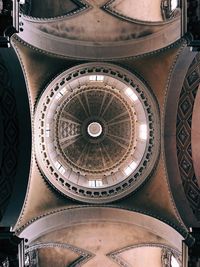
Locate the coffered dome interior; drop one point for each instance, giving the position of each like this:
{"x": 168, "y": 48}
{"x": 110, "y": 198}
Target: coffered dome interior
{"x": 95, "y": 135}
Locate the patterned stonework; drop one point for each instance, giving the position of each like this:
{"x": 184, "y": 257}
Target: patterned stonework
{"x": 183, "y": 136}
{"x": 9, "y": 148}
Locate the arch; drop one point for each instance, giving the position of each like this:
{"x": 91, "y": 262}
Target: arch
{"x": 16, "y": 138}
{"x": 58, "y": 220}
{"x": 170, "y": 118}
{"x": 196, "y": 136}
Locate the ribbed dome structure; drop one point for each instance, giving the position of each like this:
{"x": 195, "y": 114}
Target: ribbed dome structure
{"x": 95, "y": 130}
{"x": 96, "y": 133}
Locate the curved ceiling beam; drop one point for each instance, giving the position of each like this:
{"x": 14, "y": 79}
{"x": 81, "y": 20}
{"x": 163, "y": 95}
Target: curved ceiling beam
{"x": 170, "y": 119}
{"x": 102, "y": 50}
{"x": 70, "y": 217}
{"x": 196, "y": 136}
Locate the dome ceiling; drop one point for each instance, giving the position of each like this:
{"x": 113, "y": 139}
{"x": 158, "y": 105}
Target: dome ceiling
{"x": 100, "y": 133}
{"x": 96, "y": 132}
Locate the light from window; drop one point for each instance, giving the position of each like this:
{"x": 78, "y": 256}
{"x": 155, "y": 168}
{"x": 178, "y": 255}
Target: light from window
{"x": 128, "y": 170}
{"x": 47, "y": 130}
{"x": 133, "y": 165}
{"x": 174, "y": 262}
{"x": 95, "y": 183}
{"x": 62, "y": 170}
{"x": 57, "y": 165}
{"x": 143, "y": 132}
{"x": 59, "y": 95}
{"x": 129, "y": 92}
{"x": 174, "y": 4}
{"x": 63, "y": 90}
{"x": 96, "y": 78}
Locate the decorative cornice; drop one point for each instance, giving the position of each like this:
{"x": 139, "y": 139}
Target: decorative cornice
{"x": 15, "y": 38}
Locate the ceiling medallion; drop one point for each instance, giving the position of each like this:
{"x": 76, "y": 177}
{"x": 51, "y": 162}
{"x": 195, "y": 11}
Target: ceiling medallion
{"x": 96, "y": 132}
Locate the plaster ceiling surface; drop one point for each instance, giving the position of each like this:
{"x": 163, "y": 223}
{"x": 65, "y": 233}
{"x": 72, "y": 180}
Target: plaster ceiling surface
{"x": 96, "y": 24}
{"x": 151, "y": 256}
{"x": 145, "y": 10}
{"x": 109, "y": 237}
{"x": 154, "y": 196}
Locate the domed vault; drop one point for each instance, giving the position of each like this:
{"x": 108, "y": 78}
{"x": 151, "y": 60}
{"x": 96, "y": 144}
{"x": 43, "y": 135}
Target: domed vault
{"x": 105, "y": 102}
{"x": 94, "y": 132}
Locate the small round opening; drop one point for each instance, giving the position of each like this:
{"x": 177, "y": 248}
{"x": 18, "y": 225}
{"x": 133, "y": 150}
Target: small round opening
{"x": 94, "y": 129}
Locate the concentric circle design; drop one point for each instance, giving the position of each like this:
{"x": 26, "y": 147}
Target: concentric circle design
{"x": 109, "y": 120}
{"x": 95, "y": 129}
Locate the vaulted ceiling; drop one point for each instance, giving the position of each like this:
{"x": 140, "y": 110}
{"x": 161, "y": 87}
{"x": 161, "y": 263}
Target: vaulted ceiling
{"x": 127, "y": 59}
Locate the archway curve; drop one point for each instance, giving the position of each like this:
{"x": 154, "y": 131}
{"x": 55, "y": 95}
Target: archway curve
{"x": 195, "y": 136}
{"x": 79, "y": 216}
{"x": 169, "y": 131}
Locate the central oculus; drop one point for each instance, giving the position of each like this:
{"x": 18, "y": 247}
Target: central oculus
{"x": 94, "y": 129}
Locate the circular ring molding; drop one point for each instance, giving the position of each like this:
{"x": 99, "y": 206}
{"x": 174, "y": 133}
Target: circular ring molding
{"x": 96, "y": 132}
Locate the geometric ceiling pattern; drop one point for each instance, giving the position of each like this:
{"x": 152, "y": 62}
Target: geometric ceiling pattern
{"x": 97, "y": 22}
{"x": 46, "y": 254}
{"x": 153, "y": 255}
{"x": 183, "y": 136}
{"x": 8, "y": 137}
{"x": 62, "y": 254}
{"x": 96, "y": 236}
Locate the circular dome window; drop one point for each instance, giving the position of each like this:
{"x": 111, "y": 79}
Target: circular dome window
{"x": 95, "y": 128}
